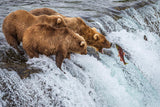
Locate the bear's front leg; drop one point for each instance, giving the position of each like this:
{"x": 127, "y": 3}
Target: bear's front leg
{"x": 68, "y": 55}
{"x": 60, "y": 55}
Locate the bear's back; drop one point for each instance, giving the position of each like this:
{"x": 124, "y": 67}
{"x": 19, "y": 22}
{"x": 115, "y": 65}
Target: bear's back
{"x": 21, "y": 15}
{"x": 44, "y": 11}
{"x": 45, "y": 31}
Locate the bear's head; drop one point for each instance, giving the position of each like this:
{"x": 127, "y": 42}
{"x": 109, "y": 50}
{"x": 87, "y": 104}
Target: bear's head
{"x": 92, "y": 36}
{"x": 57, "y": 21}
{"x": 78, "y": 44}
{"x": 99, "y": 40}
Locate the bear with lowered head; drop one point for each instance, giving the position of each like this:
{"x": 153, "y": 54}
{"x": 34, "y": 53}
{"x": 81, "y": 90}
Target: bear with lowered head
{"x": 47, "y": 40}
{"x": 91, "y": 35}
{"x": 16, "y": 23}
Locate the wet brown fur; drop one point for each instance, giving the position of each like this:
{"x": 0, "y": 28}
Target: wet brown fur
{"x": 52, "y": 41}
{"x": 80, "y": 27}
{"x": 16, "y": 23}
{"x": 47, "y": 11}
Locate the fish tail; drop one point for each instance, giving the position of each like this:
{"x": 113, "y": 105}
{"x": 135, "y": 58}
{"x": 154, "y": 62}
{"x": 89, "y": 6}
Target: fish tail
{"x": 125, "y": 63}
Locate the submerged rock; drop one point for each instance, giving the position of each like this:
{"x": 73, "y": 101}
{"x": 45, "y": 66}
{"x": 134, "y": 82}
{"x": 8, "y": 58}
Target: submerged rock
{"x": 13, "y": 61}
{"x": 91, "y": 51}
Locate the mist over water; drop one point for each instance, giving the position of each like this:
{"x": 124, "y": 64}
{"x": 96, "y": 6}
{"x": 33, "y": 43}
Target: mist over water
{"x": 88, "y": 82}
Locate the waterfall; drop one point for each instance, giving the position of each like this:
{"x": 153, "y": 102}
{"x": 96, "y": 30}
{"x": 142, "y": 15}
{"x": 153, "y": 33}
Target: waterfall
{"x": 92, "y": 82}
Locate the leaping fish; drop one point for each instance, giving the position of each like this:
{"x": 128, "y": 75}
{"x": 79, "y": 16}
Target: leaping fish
{"x": 121, "y": 54}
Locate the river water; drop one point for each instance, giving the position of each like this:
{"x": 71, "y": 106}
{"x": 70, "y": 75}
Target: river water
{"x": 89, "y": 81}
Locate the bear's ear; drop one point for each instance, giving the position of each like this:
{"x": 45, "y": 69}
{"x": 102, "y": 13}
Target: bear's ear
{"x": 77, "y": 34}
{"x": 59, "y": 20}
{"x": 82, "y": 43}
{"x": 93, "y": 28}
{"x": 95, "y": 36}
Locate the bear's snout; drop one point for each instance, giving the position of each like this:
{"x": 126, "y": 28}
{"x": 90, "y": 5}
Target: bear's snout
{"x": 108, "y": 45}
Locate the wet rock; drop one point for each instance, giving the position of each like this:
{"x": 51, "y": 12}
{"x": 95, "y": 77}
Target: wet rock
{"x": 145, "y": 38}
{"x": 10, "y": 56}
{"x": 121, "y": 7}
{"x": 116, "y": 17}
{"x": 13, "y": 61}
{"x": 23, "y": 70}
{"x": 26, "y": 73}
{"x": 107, "y": 52}
{"x": 92, "y": 52}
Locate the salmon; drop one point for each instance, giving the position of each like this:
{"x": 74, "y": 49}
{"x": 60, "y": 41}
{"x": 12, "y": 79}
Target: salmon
{"x": 121, "y": 54}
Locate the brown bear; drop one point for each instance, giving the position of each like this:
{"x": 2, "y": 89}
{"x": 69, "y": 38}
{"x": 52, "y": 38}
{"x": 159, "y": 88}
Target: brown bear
{"x": 52, "y": 41}
{"x": 91, "y": 35}
{"x": 16, "y": 23}
{"x": 42, "y": 11}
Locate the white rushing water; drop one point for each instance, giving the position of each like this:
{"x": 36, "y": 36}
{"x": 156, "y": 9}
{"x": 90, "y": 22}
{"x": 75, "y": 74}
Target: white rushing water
{"x": 89, "y": 82}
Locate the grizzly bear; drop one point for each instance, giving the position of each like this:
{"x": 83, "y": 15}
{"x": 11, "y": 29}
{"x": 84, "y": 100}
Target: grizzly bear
{"x": 16, "y": 23}
{"x": 52, "y": 41}
{"x": 42, "y": 11}
{"x": 91, "y": 35}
